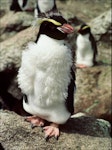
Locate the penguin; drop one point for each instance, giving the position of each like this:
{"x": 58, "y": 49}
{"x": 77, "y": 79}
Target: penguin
{"x": 19, "y": 5}
{"x": 44, "y": 6}
{"x": 47, "y": 77}
{"x": 86, "y": 50}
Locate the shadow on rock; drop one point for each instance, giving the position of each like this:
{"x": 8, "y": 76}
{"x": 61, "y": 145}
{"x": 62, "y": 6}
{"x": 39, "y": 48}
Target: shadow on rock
{"x": 87, "y": 125}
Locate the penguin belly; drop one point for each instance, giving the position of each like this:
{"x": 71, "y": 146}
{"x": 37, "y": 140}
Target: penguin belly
{"x": 52, "y": 77}
{"x": 56, "y": 113}
{"x": 84, "y": 52}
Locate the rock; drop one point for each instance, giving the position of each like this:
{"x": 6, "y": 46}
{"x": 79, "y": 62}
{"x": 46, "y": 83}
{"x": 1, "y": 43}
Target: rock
{"x": 11, "y": 49}
{"x": 12, "y": 22}
{"x": 4, "y": 8}
{"x": 93, "y": 94}
{"x": 79, "y": 133}
{"x": 101, "y": 26}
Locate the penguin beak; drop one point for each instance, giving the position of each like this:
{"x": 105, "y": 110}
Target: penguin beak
{"x": 66, "y": 28}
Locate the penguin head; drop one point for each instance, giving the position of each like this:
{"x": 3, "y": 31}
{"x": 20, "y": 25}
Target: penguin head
{"x": 55, "y": 27}
{"x": 84, "y": 29}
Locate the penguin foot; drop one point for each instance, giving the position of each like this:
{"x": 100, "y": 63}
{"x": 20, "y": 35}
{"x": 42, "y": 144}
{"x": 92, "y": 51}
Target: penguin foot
{"x": 29, "y": 9}
{"x": 52, "y": 130}
{"x": 35, "y": 121}
{"x": 81, "y": 66}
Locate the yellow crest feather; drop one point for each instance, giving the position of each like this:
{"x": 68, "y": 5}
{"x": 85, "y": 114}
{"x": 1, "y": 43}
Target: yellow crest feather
{"x": 85, "y": 27}
{"x": 50, "y": 20}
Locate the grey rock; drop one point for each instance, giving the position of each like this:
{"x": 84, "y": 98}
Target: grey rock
{"x": 11, "y": 49}
{"x": 80, "y": 133}
{"x": 102, "y": 26}
{"x": 12, "y": 23}
{"x": 93, "y": 95}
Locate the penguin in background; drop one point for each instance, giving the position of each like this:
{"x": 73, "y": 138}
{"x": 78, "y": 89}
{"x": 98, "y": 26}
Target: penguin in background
{"x": 44, "y": 6}
{"x": 47, "y": 77}
{"x": 86, "y": 50}
{"x": 20, "y": 5}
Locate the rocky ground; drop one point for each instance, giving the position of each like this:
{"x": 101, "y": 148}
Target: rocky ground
{"x": 80, "y": 133}
{"x": 93, "y": 95}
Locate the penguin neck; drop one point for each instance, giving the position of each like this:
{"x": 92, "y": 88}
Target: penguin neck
{"x": 46, "y": 40}
{"x": 45, "y": 6}
{"x": 86, "y": 35}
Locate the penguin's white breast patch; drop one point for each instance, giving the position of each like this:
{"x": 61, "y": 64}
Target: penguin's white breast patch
{"x": 52, "y": 61}
{"x": 84, "y": 52}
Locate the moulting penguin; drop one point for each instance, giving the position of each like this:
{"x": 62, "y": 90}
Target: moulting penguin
{"x": 86, "y": 50}
{"x": 47, "y": 77}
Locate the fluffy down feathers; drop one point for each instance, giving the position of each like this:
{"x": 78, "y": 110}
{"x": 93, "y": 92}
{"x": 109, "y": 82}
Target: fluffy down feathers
{"x": 44, "y": 77}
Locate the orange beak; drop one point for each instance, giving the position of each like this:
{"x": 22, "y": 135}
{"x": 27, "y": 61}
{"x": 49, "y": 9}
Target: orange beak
{"x": 66, "y": 28}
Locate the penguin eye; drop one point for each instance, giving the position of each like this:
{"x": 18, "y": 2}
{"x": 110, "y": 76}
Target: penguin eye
{"x": 52, "y": 26}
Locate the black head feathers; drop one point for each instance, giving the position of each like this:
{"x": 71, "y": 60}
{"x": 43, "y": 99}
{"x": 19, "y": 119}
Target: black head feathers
{"x": 84, "y": 29}
{"x": 55, "y": 27}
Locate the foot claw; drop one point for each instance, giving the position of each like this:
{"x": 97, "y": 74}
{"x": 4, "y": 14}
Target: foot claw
{"x": 33, "y": 126}
{"x": 51, "y": 131}
{"x": 57, "y": 137}
{"x": 25, "y": 119}
{"x": 46, "y": 138}
{"x": 42, "y": 130}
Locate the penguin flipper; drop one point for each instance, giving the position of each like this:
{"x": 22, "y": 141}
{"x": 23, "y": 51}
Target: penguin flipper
{"x": 71, "y": 90}
{"x": 94, "y": 46}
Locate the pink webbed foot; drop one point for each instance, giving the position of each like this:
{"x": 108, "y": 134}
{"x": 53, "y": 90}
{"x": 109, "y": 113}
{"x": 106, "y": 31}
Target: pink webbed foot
{"x": 35, "y": 121}
{"x": 52, "y": 130}
{"x": 81, "y": 66}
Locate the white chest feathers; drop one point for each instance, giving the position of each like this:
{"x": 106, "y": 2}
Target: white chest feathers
{"x": 84, "y": 51}
{"x": 45, "y": 5}
{"x": 44, "y": 75}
